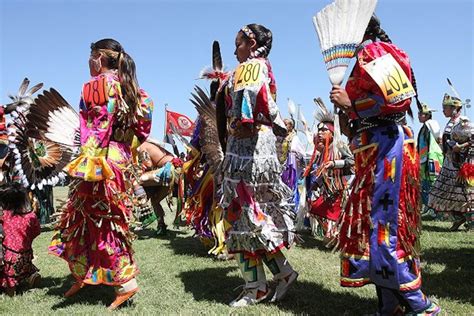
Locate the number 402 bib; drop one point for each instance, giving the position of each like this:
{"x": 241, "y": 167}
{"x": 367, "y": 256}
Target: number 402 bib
{"x": 391, "y": 79}
{"x": 248, "y": 74}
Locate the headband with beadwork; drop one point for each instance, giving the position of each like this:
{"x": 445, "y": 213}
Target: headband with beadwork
{"x": 451, "y": 101}
{"x": 248, "y": 32}
{"x": 425, "y": 109}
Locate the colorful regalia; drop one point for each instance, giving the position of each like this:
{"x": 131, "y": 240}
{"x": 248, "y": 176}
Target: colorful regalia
{"x": 431, "y": 155}
{"x": 256, "y": 202}
{"x": 328, "y": 185}
{"x": 17, "y": 266}
{"x": 3, "y": 143}
{"x": 380, "y": 224}
{"x": 254, "y": 196}
{"x": 93, "y": 233}
{"x": 291, "y": 159}
{"x": 453, "y": 190}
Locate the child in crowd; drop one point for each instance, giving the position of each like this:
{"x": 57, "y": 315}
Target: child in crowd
{"x": 20, "y": 227}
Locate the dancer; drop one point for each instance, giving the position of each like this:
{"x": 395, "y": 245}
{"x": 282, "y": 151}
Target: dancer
{"x": 255, "y": 200}
{"x": 20, "y": 228}
{"x": 380, "y": 225}
{"x": 93, "y": 233}
{"x": 292, "y": 160}
{"x": 326, "y": 176}
{"x": 431, "y": 155}
{"x": 449, "y": 192}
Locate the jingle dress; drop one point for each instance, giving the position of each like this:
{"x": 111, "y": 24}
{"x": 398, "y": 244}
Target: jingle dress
{"x": 93, "y": 233}
{"x": 255, "y": 199}
{"x": 449, "y": 192}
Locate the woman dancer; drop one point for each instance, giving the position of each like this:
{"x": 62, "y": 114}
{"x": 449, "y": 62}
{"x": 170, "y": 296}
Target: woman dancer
{"x": 93, "y": 233}
{"x": 255, "y": 199}
{"x": 450, "y": 193}
{"x": 378, "y": 233}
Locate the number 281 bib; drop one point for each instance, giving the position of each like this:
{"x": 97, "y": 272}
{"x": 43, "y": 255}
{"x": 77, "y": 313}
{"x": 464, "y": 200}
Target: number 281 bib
{"x": 391, "y": 79}
{"x": 248, "y": 74}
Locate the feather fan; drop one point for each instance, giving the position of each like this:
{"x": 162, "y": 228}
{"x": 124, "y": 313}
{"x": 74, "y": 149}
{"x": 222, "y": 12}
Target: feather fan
{"x": 51, "y": 118}
{"x": 36, "y": 162}
{"x": 340, "y": 27}
{"x": 211, "y": 147}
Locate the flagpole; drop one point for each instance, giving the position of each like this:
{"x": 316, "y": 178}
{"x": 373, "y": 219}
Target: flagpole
{"x": 164, "y": 125}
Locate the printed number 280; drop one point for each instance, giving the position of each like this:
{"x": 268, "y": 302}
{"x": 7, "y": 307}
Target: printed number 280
{"x": 248, "y": 73}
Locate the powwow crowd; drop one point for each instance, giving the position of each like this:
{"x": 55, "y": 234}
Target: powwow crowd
{"x": 248, "y": 183}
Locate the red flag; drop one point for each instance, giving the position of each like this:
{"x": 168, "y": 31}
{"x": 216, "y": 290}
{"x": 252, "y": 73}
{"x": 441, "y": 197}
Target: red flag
{"x": 181, "y": 123}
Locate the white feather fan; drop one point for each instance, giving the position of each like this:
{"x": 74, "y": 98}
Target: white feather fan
{"x": 340, "y": 27}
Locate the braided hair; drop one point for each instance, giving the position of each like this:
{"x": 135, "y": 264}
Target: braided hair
{"x": 373, "y": 31}
{"x": 262, "y": 36}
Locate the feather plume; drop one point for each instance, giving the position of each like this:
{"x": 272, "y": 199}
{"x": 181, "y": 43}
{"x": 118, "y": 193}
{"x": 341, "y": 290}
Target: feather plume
{"x": 456, "y": 94}
{"x": 323, "y": 114}
{"x": 22, "y": 101}
{"x": 209, "y": 139}
{"x": 216, "y": 56}
{"x": 52, "y": 118}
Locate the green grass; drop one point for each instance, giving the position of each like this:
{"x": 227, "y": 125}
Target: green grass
{"x": 179, "y": 277}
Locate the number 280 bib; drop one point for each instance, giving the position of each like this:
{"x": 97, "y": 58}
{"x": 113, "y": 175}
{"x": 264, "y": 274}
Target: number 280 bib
{"x": 248, "y": 74}
{"x": 391, "y": 79}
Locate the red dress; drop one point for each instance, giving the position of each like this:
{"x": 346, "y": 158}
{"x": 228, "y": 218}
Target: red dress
{"x": 20, "y": 230}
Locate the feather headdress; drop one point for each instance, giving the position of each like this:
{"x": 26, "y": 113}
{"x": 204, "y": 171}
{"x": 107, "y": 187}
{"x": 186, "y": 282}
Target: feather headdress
{"x": 323, "y": 115}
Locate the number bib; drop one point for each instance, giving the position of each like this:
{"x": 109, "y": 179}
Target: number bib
{"x": 391, "y": 79}
{"x": 248, "y": 74}
{"x": 95, "y": 92}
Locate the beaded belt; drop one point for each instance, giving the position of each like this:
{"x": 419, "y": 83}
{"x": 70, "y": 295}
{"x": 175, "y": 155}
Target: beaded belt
{"x": 366, "y": 123}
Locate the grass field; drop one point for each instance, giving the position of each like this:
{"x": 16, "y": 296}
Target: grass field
{"x": 179, "y": 277}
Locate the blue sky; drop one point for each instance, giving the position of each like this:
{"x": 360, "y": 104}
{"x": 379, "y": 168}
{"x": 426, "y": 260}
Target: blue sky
{"x": 48, "y": 41}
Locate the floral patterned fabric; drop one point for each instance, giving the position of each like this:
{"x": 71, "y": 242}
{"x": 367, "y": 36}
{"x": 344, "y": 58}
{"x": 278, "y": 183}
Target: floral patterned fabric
{"x": 20, "y": 230}
{"x": 93, "y": 234}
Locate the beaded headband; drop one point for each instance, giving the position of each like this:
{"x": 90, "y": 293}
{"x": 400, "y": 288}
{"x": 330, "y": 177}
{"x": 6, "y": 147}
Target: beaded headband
{"x": 451, "y": 101}
{"x": 248, "y": 32}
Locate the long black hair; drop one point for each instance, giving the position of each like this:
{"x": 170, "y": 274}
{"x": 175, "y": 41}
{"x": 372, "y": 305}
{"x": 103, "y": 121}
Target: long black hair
{"x": 118, "y": 59}
{"x": 263, "y": 37}
{"x": 14, "y": 197}
{"x": 373, "y": 31}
